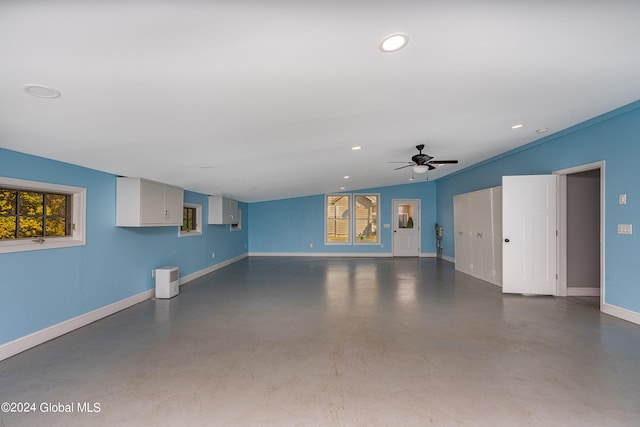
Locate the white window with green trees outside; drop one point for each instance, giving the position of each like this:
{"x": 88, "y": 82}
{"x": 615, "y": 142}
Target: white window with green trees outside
{"x": 359, "y": 228}
{"x": 191, "y": 220}
{"x": 36, "y": 215}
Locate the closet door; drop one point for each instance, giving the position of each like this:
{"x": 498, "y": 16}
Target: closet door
{"x": 481, "y": 239}
{"x": 462, "y": 232}
{"x": 496, "y": 215}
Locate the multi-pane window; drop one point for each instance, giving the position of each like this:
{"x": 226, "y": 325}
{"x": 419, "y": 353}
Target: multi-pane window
{"x": 41, "y": 215}
{"x": 338, "y": 224}
{"x": 366, "y": 219}
{"x": 188, "y": 219}
{"x": 191, "y": 220}
{"x": 28, "y": 214}
{"x": 342, "y": 227}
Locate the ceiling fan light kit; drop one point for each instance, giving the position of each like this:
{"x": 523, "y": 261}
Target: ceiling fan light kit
{"x": 422, "y": 163}
{"x": 420, "y": 168}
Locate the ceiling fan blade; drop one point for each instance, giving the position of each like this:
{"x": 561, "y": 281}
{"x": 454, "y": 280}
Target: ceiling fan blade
{"x": 408, "y": 163}
{"x": 444, "y": 162}
{"x": 402, "y": 167}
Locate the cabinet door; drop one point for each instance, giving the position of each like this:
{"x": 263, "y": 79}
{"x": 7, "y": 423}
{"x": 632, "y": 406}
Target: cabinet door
{"x": 151, "y": 203}
{"x": 173, "y": 205}
{"x": 230, "y": 211}
{"x": 222, "y": 210}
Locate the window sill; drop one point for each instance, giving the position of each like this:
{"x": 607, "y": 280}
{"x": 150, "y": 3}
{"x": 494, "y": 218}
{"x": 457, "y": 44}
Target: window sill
{"x": 190, "y": 233}
{"x": 25, "y": 246}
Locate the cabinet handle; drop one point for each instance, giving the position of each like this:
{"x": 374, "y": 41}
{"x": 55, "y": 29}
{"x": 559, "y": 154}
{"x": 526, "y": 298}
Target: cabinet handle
{"x": 506, "y": 240}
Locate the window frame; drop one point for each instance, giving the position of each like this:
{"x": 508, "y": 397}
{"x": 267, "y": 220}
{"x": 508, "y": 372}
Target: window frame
{"x": 77, "y": 216}
{"x": 352, "y": 237}
{"x": 198, "y": 230}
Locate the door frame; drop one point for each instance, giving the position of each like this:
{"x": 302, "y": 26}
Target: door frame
{"x": 562, "y": 225}
{"x": 394, "y": 219}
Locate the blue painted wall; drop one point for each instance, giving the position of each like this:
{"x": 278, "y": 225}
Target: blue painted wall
{"x": 42, "y": 288}
{"x": 292, "y": 225}
{"x": 613, "y": 137}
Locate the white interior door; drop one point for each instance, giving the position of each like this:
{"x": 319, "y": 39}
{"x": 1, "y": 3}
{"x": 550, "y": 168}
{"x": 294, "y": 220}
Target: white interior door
{"x": 529, "y": 234}
{"x": 406, "y": 227}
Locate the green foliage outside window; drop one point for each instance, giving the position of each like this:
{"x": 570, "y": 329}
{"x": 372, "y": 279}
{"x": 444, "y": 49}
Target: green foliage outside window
{"x": 188, "y": 219}
{"x": 30, "y": 214}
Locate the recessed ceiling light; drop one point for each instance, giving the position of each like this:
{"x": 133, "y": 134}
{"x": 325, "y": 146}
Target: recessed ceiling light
{"x": 347, "y": 177}
{"x": 542, "y": 130}
{"x": 394, "y": 42}
{"x": 518, "y": 126}
{"x": 356, "y": 148}
{"x": 342, "y": 188}
{"x": 41, "y": 91}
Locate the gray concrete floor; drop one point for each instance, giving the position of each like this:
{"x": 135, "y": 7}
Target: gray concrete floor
{"x": 337, "y": 342}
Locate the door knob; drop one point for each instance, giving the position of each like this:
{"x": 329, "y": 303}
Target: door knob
{"x": 506, "y": 240}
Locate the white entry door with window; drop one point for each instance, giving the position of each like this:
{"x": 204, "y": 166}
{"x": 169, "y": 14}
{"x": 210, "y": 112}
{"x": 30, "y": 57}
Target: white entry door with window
{"x": 529, "y": 263}
{"x": 406, "y": 227}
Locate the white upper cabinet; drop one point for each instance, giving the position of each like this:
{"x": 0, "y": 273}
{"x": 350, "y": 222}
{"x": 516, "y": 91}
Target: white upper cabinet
{"x": 222, "y": 210}
{"x": 144, "y": 203}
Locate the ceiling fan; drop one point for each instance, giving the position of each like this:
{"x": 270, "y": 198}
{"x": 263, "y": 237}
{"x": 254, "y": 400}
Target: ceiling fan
{"x": 423, "y": 162}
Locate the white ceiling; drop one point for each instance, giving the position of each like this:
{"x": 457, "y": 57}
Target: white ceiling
{"x": 262, "y": 100}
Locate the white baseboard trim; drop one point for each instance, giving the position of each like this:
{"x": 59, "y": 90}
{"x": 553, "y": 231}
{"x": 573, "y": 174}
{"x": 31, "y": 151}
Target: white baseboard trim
{"x": 621, "y": 313}
{"x": 39, "y": 337}
{"x": 428, "y": 254}
{"x": 338, "y": 254}
{"x": 582, "y": 292}
{"x": 193, "y": 276}
{"x": 325, "y": 254}
{"x": 36, "y": 338}
{"x": 449, "y": 258}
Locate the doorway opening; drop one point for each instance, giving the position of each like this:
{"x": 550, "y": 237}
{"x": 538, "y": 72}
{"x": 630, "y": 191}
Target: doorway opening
{"x": 581, "y": 232}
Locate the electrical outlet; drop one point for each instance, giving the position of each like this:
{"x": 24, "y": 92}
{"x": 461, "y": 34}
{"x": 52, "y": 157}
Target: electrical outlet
{"x": 625, "y": 229}
{"x": 213, "y": 254}
{"x": 622, "y": 199}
